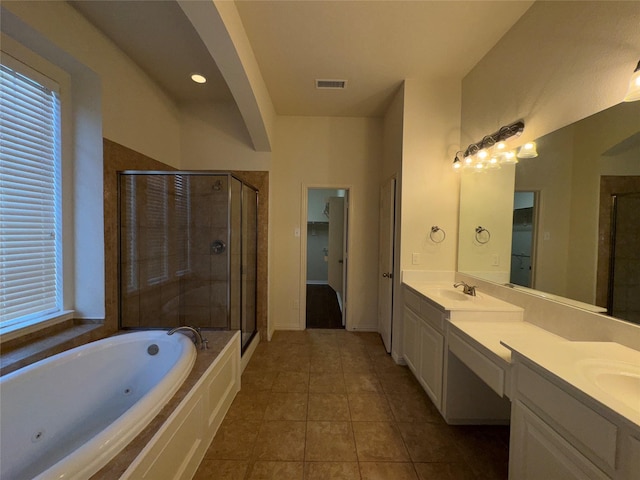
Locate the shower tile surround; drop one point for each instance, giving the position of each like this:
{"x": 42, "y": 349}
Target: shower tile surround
{"x": 35, "y": 346}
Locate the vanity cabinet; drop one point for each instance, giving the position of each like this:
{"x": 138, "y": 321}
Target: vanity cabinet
{"x": 424, "y": 343}
{"x": 555, "y": 434}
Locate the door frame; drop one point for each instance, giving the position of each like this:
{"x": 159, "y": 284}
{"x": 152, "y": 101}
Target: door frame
{"x": 535, "y": 234}
{"x": 304, "y": 207}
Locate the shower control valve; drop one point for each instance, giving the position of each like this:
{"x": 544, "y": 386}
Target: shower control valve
{"x": 218, "y": 247}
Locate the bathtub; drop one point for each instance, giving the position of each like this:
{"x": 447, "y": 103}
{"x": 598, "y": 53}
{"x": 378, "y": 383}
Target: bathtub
{"x": 66, "y": 416}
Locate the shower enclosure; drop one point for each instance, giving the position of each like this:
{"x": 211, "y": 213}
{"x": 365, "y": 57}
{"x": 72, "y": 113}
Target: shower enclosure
{"x": 187, "y": 251}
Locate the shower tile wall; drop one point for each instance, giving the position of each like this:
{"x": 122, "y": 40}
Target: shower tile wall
{"x": 170, "y": 275}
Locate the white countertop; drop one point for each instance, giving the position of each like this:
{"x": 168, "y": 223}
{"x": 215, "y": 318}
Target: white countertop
{"x": 492, "y": 335}
{"x": 605, "y": 371}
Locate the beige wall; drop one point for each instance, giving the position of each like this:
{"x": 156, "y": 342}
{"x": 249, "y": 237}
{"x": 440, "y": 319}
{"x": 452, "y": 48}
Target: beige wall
{"x": 486, "y": 199}
{"x": 430, "y": 187}
{"x": 323, "y": 151}
{"x": 214, "y": 137}
{"x": 561, "y": 62}
{"x": 135, "y": 111}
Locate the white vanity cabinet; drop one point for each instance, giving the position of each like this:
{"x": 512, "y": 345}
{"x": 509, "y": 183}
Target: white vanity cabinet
{"x": 556, "y": 435}
{"x": 424, "y": 343}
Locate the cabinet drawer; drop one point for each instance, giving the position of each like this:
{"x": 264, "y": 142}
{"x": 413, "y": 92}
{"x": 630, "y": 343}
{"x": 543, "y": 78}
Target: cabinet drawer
{"x": 572, "y": 418}
{"x": 412, "y": 300}
{"x": 432, "y": 315}
{"x": 491, "y": 373}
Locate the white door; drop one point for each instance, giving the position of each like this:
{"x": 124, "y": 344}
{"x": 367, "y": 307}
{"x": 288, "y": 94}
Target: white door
{"x": 385, "y": 261}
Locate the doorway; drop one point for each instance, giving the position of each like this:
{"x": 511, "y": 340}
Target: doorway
{"x": 523, "y": 237}
{"x": 326, "y": 257}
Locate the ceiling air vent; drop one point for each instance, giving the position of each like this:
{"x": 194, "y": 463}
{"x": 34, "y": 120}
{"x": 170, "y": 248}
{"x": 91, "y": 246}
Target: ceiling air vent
{"x": 331, "y": 84}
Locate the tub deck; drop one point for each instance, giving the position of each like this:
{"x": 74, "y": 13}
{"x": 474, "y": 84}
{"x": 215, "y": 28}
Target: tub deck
{"x": 119, "y": 464}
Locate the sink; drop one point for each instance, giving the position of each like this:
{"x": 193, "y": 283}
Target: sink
{"x": 621, "y": 380}
{"x": 454, "y": 295}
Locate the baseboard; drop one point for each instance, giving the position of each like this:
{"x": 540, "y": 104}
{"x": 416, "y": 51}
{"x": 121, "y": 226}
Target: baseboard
{"x": 317, "y": 282}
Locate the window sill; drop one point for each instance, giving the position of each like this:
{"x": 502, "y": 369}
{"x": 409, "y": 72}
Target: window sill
{"x": 24, "y": 329}
{"x": 30, "y": 348}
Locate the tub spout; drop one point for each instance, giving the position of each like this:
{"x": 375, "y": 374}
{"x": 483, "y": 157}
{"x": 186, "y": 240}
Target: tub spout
{"x": 198, "y": 338}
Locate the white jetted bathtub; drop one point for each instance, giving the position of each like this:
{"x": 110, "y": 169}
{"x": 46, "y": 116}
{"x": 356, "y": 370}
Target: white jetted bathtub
{"x": 66, "y": 416}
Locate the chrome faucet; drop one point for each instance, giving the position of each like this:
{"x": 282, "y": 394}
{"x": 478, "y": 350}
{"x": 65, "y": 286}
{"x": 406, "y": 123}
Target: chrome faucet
{"x": 198, "y": 338}
{"x": 468, "y": 289}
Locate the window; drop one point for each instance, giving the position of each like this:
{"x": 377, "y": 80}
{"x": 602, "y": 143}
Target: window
{"x": 30, "y": 197}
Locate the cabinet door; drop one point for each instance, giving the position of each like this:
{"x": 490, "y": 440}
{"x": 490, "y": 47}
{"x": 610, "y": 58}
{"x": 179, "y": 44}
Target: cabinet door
{"x": 410, "y": 338}
{"x": 431, "y": 359}
{"x": 539, "y": 452}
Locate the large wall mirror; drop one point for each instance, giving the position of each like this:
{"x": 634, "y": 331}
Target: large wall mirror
{"x": 565, "y": 224}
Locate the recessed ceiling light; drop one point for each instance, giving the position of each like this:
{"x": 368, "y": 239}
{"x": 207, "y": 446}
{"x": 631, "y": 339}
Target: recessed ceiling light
{"x": 196, "y": 77}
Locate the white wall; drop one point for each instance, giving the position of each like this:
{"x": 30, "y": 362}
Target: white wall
{"x": 323, "y": 151}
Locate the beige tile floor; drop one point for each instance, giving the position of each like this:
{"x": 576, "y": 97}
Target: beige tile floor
{"x": 331, "y": 404}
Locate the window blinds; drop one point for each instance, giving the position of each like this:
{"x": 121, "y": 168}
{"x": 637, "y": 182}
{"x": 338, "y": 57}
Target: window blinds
{"x": 30, "y": 200}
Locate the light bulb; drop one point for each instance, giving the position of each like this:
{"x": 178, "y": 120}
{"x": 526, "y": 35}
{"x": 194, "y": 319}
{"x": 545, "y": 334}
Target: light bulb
{"x": 509, "y": 157}
{"x": 483, "y": 153}
{"x": 633, "y": 92}
{"x": 500, "y": 146}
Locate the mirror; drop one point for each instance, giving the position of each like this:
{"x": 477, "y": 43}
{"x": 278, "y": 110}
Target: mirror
{"x": 566, "y": 223}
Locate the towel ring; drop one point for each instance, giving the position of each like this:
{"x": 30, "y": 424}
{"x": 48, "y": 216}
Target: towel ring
{"x": 479, "y": 231}
{"x": 435, "y": 229}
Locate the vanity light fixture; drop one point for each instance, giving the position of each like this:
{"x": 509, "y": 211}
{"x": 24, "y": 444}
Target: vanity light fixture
{"x": 491, "y": 151}
{"x": 633, "y": 93}
{"x": 528, "y": 150}
{"x": 196, "y": 77}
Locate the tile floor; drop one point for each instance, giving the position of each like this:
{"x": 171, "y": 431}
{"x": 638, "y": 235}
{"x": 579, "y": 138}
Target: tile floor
{"x": 332, "y": 404}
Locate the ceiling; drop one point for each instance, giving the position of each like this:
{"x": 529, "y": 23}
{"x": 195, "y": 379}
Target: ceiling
{"x": 374, "y": 45}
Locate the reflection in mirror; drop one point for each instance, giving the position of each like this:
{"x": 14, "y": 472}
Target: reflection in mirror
{"x": 572, "y": 228}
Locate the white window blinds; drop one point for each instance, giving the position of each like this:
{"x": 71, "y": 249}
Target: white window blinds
{"x": 30, "y": 197}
